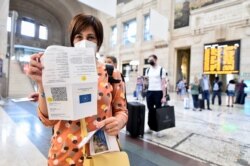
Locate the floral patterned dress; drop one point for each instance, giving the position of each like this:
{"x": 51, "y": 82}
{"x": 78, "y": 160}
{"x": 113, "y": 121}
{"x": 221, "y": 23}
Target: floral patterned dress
{"x": 67, "y": 134}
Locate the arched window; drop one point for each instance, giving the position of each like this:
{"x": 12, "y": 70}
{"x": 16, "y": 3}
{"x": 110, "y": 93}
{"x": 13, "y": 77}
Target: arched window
{"x": 43, "y": 32}
{"x": 28, "y": 27}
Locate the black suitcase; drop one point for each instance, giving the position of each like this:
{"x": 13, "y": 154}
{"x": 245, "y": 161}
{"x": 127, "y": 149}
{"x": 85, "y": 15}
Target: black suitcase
{"x": 202, "y": 104}
{"x": 136, "y": 118}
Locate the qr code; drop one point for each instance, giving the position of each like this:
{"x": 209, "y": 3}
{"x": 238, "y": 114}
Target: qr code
{"x": 59, "y": 94}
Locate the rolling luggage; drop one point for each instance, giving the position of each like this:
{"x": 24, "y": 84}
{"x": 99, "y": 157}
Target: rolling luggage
{"x": 186, "y": 103}
{"x": 201, "y": 104}
{"x": 136, "y": 118}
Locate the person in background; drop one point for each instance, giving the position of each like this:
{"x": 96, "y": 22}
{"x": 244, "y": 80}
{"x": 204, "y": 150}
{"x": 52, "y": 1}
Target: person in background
{"x": 34, "y": 96}
{"x": 195, "y": 93}
{"x": 182, "y": 88}
{"x": 230, "y": 93}
{"x": 67, "y": 134}
{"x": 139, "y": 88}
{"x": 156, "y": 91}
{"x": 167, "y": 88}
{"x": 241, "y": 93}
{"x": 178, "y": 90}
{"x": 145, "y": 87}
{"x": 205, "y": 89}
{"x": 111, "y": 60}
{"x": 217, "y": 86}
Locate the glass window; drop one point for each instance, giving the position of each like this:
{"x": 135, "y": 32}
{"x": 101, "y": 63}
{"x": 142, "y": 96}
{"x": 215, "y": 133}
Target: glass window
{"x": 113, "y": 38}
{"x": 28, "y": 28}
{"x": 9, "y": 24}
{"x": 129, "y": 32}
{"x": 43, "y": 32}
{"x": 147, "y": 35}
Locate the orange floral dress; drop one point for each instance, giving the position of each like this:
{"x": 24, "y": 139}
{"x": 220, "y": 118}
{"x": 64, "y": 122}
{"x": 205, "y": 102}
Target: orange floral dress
{"x": 67, "y": 134}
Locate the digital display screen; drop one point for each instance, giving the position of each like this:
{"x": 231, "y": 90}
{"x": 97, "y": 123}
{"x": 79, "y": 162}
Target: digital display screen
{"x": 222, "y": 58}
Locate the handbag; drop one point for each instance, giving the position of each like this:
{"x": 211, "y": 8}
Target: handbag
{"x": 165, "y": 118}
{"x": 119, "y": 158}
{"x": 108, "y": 159}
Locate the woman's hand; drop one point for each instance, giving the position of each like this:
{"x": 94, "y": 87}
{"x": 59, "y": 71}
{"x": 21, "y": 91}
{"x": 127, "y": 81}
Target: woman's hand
{"x": 112, "y": 126}
{"x": 35, "y": 68}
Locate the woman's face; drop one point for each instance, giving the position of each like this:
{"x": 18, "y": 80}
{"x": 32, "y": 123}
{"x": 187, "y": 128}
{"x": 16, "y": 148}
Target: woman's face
{"x": 109, "y": 61}
{"x": 87, "y": 34}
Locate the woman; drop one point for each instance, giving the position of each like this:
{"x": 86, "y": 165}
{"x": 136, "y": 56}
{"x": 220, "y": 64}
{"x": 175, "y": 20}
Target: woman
{"x": 195, "y": 93}
{"x": 230, "y": 93}
{"x": 182, "y": 88}
{"x": 111, "y": 60}
{"x": 111, "y": 100}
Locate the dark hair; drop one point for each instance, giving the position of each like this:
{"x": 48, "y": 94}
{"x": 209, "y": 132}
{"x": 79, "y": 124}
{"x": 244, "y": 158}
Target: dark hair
{"x": 82, "y": 21}
{"x": 153, "y": 56}
{"x": 232, "y": 82}
{"x": 113, "y": 59}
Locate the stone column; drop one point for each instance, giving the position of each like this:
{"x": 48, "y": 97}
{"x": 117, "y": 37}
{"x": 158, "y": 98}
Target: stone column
{"x": 4, "y": 8}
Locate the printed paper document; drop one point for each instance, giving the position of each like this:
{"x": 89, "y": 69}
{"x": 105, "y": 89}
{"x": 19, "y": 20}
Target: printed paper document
{"x": 70, "y": 82}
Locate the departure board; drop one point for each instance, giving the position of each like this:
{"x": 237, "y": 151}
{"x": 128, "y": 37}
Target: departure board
{"x": 221, "y": 58}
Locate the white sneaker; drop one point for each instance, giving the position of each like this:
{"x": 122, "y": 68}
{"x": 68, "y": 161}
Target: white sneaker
{"x": 159, "y": 134}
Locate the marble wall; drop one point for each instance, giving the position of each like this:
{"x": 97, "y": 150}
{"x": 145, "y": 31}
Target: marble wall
{"x": 207, "y": 25}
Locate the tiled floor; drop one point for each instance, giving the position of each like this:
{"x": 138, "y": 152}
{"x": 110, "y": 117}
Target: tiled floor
{"x": 219, "y": 137}
{"x": 22, "y": 118}
{"x": 16, "y": 149}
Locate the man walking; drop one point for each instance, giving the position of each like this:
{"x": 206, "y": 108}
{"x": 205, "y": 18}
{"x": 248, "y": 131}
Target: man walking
{"x": 217, "y": 85}
{"x": 205, "y": 88}
{"x": 156, "y": 91}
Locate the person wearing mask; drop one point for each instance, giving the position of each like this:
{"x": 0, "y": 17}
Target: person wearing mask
{"x": 111, "y": 60}
{"x": 156, "y": 91}
{"x": 205, "y": 90}
{"x": 67, "y": 134}
{"x": 217, "y": 85}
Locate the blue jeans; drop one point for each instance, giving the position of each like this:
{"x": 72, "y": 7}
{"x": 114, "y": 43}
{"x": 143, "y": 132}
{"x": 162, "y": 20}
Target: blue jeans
{"x": 195, "y": 101}
{"x": 206, "y": 96}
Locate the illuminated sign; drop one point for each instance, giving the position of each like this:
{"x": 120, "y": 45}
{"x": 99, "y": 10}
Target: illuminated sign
{"x": 221, "y": 58}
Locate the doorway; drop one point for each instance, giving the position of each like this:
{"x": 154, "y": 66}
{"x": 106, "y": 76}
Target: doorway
{"x": 183, "y": 65}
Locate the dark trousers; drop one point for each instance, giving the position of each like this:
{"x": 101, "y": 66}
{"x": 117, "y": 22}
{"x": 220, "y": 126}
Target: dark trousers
{"x": 153, "y": 102}
{"x": 195, "y": 101}
{"x": 240, "y": 98}
{"x": 206, "y": 96}
{"x": 216, "y": 93}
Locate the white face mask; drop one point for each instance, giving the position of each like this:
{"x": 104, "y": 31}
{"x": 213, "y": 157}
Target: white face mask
{"x": 85, "y": 44}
